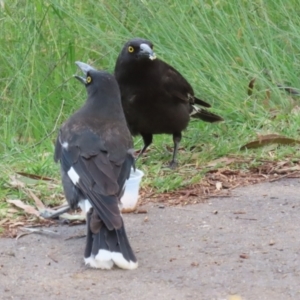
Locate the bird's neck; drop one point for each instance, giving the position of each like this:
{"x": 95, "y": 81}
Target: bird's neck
{"x": 103, "y": 104}
{"x": 137, "y": 71}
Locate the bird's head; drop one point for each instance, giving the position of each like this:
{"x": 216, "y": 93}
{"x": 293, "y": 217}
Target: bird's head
{"x": 97, "y": 81}
{"x": 88, "y": 71}
{"x": 139, "y": 50}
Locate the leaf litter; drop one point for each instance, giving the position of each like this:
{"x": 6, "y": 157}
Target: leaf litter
{"x": 217, "y": 182}
{"x": 220, "y": 182}
{"x": 27, "y": 212}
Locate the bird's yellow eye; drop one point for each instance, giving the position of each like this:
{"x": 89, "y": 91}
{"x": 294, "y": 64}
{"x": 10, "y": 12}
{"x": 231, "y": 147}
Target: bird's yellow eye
{"x": 130, "y": 49}
{"x": 89, "y": 79}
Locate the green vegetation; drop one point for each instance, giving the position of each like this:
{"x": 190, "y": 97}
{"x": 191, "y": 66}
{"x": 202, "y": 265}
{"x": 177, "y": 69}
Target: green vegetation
{"x": 219, "y": 46}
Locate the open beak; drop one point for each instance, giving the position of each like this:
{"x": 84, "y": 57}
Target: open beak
{"x": 146, "y": 52}
{"x": 85, "y": 68}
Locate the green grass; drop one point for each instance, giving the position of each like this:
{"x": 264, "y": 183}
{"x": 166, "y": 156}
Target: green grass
{"x": 219, "y": 46}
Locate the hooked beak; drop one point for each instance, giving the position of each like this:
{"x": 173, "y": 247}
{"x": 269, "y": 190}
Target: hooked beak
{"x": 85, "y": 68}
{"x": 146, "y": 52}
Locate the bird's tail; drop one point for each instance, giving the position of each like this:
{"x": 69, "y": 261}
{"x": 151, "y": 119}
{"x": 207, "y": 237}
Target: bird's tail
{"x": 105, "y": 248}
{"x": 201, "y": 102}
{"x": 205, "y": 115}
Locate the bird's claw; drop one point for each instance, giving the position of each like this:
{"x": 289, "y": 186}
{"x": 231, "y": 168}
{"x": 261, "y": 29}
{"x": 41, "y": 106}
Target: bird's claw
{"x": 173, "y": 164}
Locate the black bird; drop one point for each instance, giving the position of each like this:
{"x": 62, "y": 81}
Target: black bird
{"x": 94, "y": 148}
{"x": 156, "y": 98}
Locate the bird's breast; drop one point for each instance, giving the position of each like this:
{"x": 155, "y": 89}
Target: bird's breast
{"x": 152, "y": 113}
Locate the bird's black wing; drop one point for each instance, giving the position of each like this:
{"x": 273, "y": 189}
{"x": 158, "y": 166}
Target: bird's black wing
{"x": 177, "y": 86}
{"x": 86, "y": 160}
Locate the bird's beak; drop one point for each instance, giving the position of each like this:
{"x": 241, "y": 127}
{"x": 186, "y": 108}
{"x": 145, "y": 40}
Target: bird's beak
{"x": 85, "y": 68}
{"x": 146, "y": 52}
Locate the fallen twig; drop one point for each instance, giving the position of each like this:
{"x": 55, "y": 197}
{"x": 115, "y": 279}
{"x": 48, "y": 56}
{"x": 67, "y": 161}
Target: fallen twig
{"x": 283, "y": 176}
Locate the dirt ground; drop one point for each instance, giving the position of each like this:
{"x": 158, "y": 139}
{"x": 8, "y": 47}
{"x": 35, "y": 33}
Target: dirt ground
{"x": 246, "y": 245}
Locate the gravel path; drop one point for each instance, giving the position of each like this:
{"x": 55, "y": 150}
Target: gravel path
{"x": 246, "y": 245}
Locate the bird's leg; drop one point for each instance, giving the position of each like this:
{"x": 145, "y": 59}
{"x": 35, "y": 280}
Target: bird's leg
{"x": 147, "y": 138}
{"x": 89, "y": 234}
{"x": 176, "y": 140}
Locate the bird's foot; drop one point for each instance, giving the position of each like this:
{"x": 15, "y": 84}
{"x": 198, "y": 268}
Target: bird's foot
{"x": 173, "y": 164}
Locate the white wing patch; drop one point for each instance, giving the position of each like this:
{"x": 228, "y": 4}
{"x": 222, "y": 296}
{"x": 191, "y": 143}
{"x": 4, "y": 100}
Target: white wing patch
{"x": 85, "y": 205}
{"x": 195, "y": 110}
{"x": 73, "y": 175}
{"x": 65, "y": 145}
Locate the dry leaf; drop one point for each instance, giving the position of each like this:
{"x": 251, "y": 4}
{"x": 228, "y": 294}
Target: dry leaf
{"x": 12, "y": 210}
{"x": 251, "y": 86}
{"x": 288, "y": 170}
{"x": 33, "y": 176}
{"x": 270, "y": 139}
{"x": 39, "y": 204}
{"x": 295, "y": 110}
{"x": 22, "y": 234}
{"x": 222, "y": 160}
{"x": 219, "y": 185}
{"x": 266, "y": 101}
{"x": 14, "y": 182}
{"x": 27, "y": 208}
{"x": 64, "y": 204}
{"x": 2, "y": 222}
{"x": 16, "y": 224}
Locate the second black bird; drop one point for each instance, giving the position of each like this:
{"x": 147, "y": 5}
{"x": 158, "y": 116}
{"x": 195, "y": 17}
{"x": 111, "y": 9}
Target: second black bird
{"x": 156, "y": 98}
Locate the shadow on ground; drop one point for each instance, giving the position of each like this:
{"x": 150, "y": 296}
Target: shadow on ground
{"x": 247, "y": 244}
